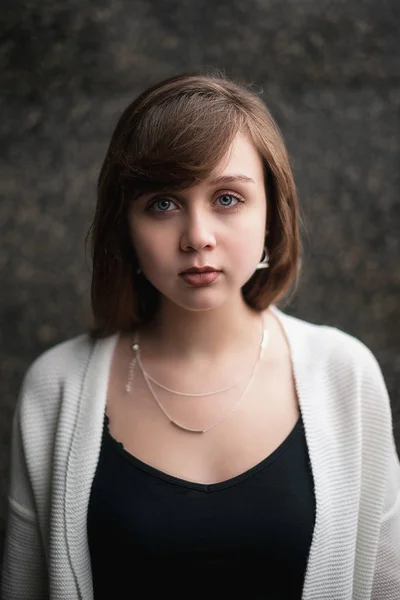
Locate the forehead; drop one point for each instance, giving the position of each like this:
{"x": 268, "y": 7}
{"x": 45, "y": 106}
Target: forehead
{"x": 242, "y": 157}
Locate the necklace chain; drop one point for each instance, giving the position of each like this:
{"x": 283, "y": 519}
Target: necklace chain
{"x": 137, "y": 360}
{"x": 176, "y": 393}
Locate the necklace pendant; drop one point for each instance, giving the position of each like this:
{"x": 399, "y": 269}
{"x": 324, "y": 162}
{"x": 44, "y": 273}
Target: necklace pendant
{"x": 186, "y": 428}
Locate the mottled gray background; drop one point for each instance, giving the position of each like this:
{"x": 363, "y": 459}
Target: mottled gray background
{"x": 330, "y": 74}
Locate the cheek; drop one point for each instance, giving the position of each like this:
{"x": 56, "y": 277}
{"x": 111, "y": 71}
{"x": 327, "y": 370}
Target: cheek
{"x": 152, "y": 247}
{"x": 246, "y": 254}
{"x": 248, "y": 242}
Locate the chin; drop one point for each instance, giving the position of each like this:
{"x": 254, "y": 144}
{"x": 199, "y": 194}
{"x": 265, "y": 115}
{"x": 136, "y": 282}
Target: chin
{"x": 207, "y": 299}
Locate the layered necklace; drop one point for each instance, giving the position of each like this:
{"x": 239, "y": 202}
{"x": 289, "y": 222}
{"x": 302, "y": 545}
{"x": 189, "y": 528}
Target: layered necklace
{"x": 136, "y": 361}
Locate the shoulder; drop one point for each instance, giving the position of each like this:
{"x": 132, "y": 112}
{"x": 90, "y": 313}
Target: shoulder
{"x": 331, "y": 349}
{"x": 59, "y": 359}
{"x": 343, "y": 370}
{"x": 53, "y": 366}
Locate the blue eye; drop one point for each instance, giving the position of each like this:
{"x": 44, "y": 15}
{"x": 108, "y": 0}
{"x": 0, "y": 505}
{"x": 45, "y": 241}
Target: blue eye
{"x": 162, "y": 203}
{"x": 228, "y": 197}
{"x": 226, "y": 201}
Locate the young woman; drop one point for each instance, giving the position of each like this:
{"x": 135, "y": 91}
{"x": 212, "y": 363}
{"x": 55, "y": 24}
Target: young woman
{"x": 199, "y": 441}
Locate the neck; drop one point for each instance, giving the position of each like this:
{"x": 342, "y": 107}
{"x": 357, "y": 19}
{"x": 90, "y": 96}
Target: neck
{"x": 180, "y": 333}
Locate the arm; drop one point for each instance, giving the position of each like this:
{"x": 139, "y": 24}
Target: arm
{"x": 379, "y": 444}
{"x": 24, "y": 575}
{"x": 386, "y": 582}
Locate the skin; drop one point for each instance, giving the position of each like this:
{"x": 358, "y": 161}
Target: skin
{"x": 218, "y": 224}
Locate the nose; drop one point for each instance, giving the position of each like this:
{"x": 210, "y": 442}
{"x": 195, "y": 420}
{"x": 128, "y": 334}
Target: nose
{"x": 198, "y": 233}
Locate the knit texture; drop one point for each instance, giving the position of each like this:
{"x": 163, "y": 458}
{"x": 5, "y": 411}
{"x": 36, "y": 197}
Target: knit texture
{"x": 355, "y": 550}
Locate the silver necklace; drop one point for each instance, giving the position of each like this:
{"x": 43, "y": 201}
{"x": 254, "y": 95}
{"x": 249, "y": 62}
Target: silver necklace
{"x": 128, "y": 386}
{"x": 137, "y": 360}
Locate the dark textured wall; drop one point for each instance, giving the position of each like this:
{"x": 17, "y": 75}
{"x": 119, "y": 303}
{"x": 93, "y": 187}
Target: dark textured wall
{"x": 330, "y": 72}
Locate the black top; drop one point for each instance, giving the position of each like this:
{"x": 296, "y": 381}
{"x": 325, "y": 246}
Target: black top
{"x": 248, "y": 537}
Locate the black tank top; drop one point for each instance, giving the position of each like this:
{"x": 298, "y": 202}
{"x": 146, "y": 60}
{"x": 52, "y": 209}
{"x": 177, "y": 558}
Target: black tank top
{"x": 152, "y": 534}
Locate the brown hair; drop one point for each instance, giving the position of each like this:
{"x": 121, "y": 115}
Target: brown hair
{"x": 162, "y": 141}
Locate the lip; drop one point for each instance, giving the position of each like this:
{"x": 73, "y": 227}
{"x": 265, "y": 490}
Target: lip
{"x": 200, "y": 278}
{"x": 200, "y": 270}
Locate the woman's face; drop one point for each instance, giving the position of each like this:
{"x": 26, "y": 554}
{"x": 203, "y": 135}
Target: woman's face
{"x": 219, "y": 223}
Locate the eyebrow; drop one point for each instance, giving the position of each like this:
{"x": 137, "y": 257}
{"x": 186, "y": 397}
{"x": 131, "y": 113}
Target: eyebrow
{"x": 216, "y": 181}
{"x": 231, "y": 179}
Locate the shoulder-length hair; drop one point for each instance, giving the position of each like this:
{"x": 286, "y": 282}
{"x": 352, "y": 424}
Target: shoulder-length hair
{"x": 170, "y": 137}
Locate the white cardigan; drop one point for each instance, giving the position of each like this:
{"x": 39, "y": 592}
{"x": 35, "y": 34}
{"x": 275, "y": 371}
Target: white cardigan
{"x": 355, "y": 550}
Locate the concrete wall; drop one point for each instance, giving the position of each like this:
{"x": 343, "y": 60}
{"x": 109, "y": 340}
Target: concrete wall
{"x": 331, "y": 77}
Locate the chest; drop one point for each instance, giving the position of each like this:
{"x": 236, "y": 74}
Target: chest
{"x": 257, "y": 425}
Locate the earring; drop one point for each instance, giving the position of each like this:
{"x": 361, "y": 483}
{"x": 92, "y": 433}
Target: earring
{"x": 264, "y": 264}
{"x": 138, "y": 271}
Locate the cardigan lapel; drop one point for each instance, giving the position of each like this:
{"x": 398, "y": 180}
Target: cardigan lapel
{"x": 330, "y": 414}
{"x": 83, "y": 458}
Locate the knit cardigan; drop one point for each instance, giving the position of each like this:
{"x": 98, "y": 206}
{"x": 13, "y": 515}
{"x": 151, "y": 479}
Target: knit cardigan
{"x": 355, "y": 549}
